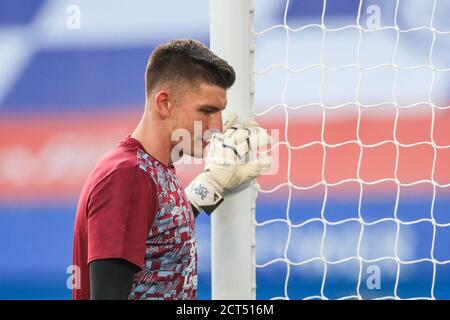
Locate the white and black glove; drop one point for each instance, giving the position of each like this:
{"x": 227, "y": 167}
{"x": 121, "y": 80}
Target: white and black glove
{"x": 232, "y": 159}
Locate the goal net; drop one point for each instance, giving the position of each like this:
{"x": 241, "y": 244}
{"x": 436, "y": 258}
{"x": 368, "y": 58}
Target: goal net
{"x": 359, "y": 207}
{"x": 357, "y": 203}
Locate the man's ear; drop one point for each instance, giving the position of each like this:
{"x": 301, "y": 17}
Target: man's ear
{"x": 163, "y": 104}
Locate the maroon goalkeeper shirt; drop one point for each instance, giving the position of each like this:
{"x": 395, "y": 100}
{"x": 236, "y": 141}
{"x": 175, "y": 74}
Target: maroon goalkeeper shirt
{"x": 132, "y": 207}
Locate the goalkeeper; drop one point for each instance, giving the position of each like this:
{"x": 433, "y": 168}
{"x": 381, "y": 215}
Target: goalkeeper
{"x": 134, "y": 230}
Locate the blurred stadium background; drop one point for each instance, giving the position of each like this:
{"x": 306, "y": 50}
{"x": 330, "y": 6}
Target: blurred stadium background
{"x": 69, "y": 95}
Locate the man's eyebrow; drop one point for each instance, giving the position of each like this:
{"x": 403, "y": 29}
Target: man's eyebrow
{"x": 207, "y": 106}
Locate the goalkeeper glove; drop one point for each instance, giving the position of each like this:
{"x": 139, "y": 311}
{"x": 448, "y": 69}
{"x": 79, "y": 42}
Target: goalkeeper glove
{"x": 231, "y": 161}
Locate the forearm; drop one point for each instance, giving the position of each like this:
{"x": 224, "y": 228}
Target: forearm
{"x": 111, "y": 279}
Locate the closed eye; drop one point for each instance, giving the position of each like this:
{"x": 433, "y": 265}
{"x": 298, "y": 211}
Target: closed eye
{"x": 209, "y": 110}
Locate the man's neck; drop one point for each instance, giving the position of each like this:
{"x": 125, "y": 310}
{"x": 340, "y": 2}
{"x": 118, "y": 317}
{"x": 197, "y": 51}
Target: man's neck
{"x": 153, "y": 139}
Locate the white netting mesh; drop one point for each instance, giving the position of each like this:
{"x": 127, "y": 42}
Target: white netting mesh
{"x": 322, "y": 261}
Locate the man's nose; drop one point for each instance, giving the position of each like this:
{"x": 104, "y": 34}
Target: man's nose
{"x": 216, "y": 122}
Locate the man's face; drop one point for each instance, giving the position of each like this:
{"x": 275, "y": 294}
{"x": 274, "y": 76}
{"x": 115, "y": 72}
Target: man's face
{"x": 199, "y": 112}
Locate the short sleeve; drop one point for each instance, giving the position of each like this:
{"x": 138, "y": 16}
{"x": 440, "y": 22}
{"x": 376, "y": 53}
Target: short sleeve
{"x": 121, "y": 210}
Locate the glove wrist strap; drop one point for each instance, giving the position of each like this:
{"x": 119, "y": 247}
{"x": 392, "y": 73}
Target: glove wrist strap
{"x": 204, "y": 196}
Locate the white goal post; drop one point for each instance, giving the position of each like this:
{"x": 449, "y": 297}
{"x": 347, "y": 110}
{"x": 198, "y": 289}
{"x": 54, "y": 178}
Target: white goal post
{"x": 232, "y": 237}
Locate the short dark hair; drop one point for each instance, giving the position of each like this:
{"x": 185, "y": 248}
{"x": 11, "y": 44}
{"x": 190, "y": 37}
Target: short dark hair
{"x": 187, "y": 61}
